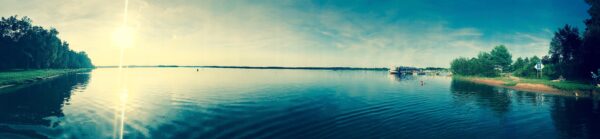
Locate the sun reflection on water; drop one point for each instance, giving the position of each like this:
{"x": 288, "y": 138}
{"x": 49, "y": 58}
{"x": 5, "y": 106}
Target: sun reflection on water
{"x": 123, "y": 37}
{"x": 123, "y": 101}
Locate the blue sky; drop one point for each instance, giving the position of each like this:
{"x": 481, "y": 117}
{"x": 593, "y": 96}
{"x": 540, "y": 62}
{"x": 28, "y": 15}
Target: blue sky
{"x": 363, "y": 33}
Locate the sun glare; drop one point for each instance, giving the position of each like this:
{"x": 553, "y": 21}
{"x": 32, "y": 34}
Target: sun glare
{"x": 123, "y": 37}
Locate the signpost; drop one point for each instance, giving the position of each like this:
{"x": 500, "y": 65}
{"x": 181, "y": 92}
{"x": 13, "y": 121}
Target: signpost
{"x": 539, "y": 66}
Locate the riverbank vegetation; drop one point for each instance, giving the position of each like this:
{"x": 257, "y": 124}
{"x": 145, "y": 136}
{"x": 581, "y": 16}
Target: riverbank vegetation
{"x": 26, "y": 76}
{"x": 26, "y": 46}
{"x": 571, "y": 62}
{"x": 485, "y": 64}
{"x": 514, "y": 81}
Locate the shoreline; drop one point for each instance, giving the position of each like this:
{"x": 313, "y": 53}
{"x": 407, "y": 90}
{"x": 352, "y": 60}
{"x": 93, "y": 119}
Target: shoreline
{"x": 532, "y": 87}
{"x": 15, "y": 78}
{"x": 251, "y": 67}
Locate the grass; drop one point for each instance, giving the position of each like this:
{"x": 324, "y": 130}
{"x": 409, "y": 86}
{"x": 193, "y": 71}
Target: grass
{"x": 562, "y": 85}
{"x": 23, "y": 76}
{"x": 510, "y": 83}
{"x": 505, "y": 79}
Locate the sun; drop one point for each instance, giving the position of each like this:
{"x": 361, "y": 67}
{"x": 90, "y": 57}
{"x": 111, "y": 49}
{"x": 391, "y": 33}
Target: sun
{"x": 123, "y": 37}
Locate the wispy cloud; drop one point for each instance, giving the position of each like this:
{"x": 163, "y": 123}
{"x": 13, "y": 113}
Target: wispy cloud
{"x": 286, "y": 33}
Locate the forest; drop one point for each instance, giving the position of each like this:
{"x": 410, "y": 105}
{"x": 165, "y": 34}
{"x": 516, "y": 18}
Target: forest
{"x": 572, "y": 55}
{"x": 26, "y": 46}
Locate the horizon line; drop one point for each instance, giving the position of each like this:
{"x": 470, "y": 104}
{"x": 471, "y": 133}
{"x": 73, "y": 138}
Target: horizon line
{"x": 243, "y": 66}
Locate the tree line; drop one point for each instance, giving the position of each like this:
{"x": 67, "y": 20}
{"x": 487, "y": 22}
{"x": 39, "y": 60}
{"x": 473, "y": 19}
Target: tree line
{"x": 485, "y": 64}
{"x": 572, "y": 55}
{"x": 26, "y": 46}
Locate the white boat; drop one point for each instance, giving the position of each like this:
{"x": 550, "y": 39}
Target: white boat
{"x": 393, "y": 70}
{"x": 402, "y": 70}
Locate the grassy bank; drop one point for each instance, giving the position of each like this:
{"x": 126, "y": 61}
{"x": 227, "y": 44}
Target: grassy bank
{"x": 515, "y": 81}
{"x": 26, "y": 76}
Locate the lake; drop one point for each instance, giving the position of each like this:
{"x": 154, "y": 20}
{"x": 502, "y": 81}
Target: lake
{"x": 263, "y": 103}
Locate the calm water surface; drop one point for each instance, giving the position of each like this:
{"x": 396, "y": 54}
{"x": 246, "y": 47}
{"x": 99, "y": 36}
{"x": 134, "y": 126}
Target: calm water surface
{"x": 246, "y": 103}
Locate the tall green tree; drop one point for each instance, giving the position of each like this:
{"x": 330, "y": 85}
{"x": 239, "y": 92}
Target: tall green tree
{"x": 565, "y": 45}
{"x": 501, "y": 57}
{"x": 483, "y": 65}
{"x": 486, "y": 65}
{"x": 459, "y": 66}
{"x": 566, "y": 53}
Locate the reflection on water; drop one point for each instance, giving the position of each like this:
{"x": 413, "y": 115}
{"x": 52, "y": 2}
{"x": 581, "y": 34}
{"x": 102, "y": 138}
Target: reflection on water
{"x": 576, "y": 118}
{"x": 496, "y": 99}
{"x": 238, "y": 103}
{"x": 572, "y": 117}
{"x": 40, "y": 103}
{"x": 401, "y": 77}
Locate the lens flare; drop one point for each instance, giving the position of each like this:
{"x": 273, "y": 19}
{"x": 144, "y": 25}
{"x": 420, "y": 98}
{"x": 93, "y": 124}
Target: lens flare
{"x": 124, "y": 37}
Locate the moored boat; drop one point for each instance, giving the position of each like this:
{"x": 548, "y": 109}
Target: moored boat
{"x": 393, "y": 70}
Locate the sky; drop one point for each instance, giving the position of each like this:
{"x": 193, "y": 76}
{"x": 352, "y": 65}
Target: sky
{"x": 357, "y": 33}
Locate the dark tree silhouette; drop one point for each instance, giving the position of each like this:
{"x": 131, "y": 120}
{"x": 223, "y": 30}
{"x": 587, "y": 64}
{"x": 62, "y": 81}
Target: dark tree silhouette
{"x": 25, "y": 46}
{"x": 591, "y": 39}
{"x": 565, "y": 53}
{"x": 565, "y": 45}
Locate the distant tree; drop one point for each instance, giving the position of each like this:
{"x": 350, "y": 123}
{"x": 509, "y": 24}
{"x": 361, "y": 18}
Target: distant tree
{"x": 482, "y": 65}
{"x": 501, "y": 57}
{"x": 486, "y": 65}
{"x": 527, "y": 69}
{"x": 460, "y": 66}
{"x": 519, "y": 63}
{"x": 434, "y": 68}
